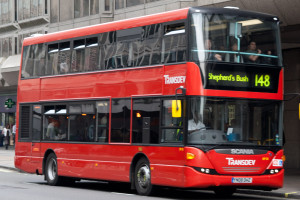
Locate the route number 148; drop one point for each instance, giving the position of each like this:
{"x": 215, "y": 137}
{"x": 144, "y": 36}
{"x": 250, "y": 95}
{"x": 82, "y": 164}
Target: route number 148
{"x": 262, "y": 80}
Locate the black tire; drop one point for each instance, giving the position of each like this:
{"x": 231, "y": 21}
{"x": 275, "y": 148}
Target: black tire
{"x": 142, "y": 177}
{"x": 51, "y": 175}
{"x": 224, "y": 191}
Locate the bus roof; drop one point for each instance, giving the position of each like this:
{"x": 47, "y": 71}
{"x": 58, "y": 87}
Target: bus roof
{"x": 110, "y": 26}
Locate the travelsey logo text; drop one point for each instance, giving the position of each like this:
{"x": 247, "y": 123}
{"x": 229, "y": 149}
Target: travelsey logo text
{"x": 174, "y": 79}
{"x": 231, "y": 161}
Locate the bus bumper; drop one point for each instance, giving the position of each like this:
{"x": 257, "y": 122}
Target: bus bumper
{"x": 195, "y": 179}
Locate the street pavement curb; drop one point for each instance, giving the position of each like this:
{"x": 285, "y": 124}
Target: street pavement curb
{"x": 290, "y": 195}
{"x": 11, "y": 168}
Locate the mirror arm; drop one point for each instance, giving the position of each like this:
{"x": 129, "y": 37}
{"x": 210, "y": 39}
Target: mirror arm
{"x": 183, "y": 92}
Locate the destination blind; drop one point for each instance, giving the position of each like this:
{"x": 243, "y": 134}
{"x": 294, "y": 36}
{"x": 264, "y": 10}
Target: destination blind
{"x": 241, "y": 78}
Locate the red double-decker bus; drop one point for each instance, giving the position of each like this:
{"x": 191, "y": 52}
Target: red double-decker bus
{"x": 190, "y": 98}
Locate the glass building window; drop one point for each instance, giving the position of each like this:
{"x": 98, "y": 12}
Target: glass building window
{"x": 41, "y": 7}
{"x": 66, "y": 10}
{"x": 34, "y": 8}
{"x": 26, "y": 9}
{"x": 94, "y": 7}
{"x": 6, "y": 44}
{"x": 134, "y": 2}
{"x": 5, "y": 11}
{"x": 149, "y": 1}
{"x": 30, "y": 8}
{"x": 81, "y": 8}
{"x": 119, "y": 4}
{"x": 107, "y": 5}
{"x": 54, "y": 10}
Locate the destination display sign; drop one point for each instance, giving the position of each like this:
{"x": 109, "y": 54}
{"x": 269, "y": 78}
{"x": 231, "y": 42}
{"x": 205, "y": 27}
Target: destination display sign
{"x": 241, "y": 78}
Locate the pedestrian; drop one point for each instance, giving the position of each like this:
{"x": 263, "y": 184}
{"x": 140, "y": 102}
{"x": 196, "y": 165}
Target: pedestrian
{"x": 14, "y": 129}
{"x": 6, "y": 133}
{"x": 1, "y": 137}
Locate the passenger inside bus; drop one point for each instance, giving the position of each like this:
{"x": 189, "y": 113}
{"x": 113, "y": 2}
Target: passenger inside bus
{"x": 52, "y": 129}
{"x": 195, "y": 124}
{"x": 252, "y": 49}
{"x": 234, "y": 57}
{"x": 211, "y": 55}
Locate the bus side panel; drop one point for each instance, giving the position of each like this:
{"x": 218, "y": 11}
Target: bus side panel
{"x": 146, "y": 80}
{"x": 103, "y": 84}
{"x": 167, "y": 165}
{"x": 104, "y": 162}
{"x": 113, "y": 162}
{"x": 23, "y": 159}
{"x": 30, "y": 90}
{"x": 174, "y": 77}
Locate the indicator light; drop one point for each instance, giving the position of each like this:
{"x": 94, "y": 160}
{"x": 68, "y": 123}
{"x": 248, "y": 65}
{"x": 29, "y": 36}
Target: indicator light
{"x": 283, "y": 158}
{"x": 190, "y": 156}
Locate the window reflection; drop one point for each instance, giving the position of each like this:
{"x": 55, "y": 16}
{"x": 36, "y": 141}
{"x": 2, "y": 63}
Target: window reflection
{"x": 55, "y": 122}
{"x": 103, "y": 121}
{"x": 146, "y": 115}
{"x": 120, "y": 120}
{"x": 246, "y": 122}
{"x": 229, "y": 38}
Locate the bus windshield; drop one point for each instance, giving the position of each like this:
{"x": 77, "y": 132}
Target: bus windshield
{"x": 235, "y": 39}
{"x": 234, "y": 121}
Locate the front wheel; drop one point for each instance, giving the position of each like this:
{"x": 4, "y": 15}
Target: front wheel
{"x": 51, "y": 175}
{"x": 142, "y": 177}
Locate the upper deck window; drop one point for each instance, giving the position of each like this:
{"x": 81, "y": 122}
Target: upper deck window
{"x": 174, "y": 43}
{"x": 236, "y": 39}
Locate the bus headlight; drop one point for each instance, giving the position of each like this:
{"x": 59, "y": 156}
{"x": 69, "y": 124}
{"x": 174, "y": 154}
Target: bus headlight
{"x": 272, "y": 171}
{"x": 206, "y": 170}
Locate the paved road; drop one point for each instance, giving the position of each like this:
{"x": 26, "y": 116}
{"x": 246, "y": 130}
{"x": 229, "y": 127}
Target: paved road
{"x": 15, "y": 186}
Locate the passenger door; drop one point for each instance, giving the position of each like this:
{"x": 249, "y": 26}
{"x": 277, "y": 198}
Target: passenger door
{"x": 36, "y": 133}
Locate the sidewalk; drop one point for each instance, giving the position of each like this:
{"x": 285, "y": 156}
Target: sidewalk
{"x": 291, "y": 188}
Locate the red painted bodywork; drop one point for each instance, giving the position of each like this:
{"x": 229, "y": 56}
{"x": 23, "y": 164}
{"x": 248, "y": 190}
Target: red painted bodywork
{"x": 169, "y": 165}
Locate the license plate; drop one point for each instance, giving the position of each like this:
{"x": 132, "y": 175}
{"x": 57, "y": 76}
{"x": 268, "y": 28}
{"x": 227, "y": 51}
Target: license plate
{"x": 241, "y": 180}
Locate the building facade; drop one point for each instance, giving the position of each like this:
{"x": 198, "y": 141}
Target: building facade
{"x": 23, "y": 18}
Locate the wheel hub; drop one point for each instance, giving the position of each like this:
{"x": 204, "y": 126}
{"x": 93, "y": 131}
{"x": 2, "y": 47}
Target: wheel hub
{"x": 52, "y": 169}
{"x": 143, "y": 176}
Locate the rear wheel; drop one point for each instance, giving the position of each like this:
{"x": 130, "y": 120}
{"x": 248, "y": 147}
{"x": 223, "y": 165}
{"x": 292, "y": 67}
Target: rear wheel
{"x": 142, "y": 177}
{"x": 51, "y": 175}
